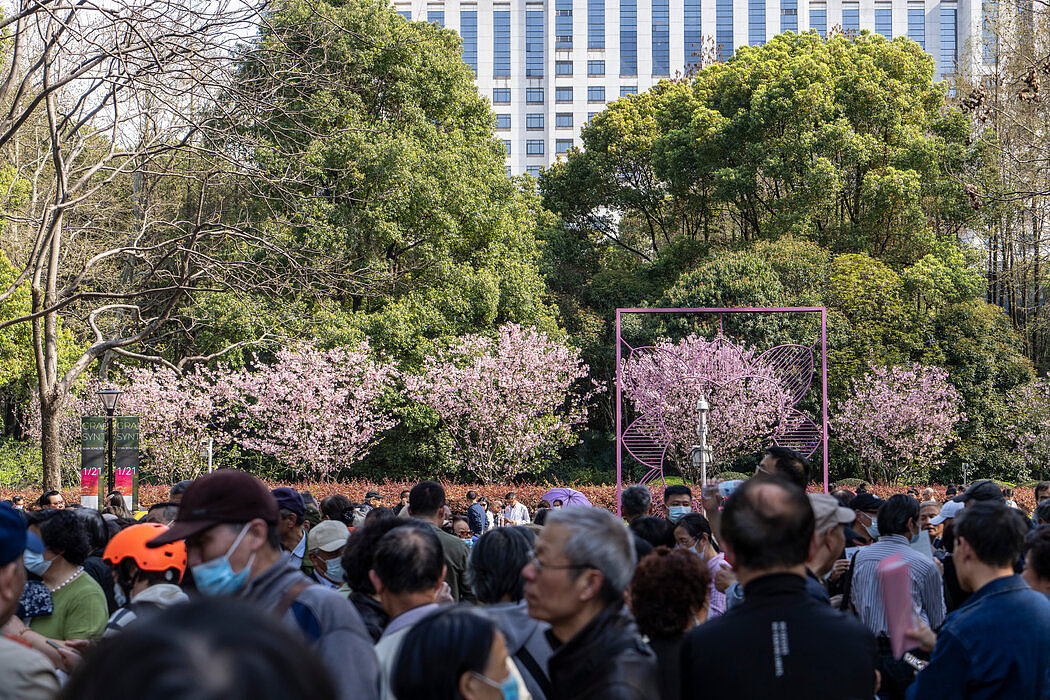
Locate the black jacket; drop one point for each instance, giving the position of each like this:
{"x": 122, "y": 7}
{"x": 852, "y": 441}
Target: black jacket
{"x": 372, "y": 614}
{"x": 779, "y": 643}
{"x": 607, "y": 659}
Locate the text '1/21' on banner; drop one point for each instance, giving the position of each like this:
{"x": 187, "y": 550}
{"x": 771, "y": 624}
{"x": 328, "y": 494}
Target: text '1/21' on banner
{"x": 93, "y": 459}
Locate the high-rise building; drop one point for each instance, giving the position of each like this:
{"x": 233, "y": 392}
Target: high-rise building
{"x": 550, "y": 65}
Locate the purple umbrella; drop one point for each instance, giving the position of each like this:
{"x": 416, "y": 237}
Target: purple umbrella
{"x": 568, "y": 497}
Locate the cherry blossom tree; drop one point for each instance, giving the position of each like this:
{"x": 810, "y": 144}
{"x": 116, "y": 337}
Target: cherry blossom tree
{"x": 318, "y": 411}
{"x": 898, "y": 420}
{"x": 509, "y": 402}
{"x": 747, "y": 398}
{"x": 1028, "y": 408}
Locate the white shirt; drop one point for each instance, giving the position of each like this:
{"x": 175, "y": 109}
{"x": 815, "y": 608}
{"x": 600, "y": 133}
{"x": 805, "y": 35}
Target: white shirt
{"x": 517, "y": 514}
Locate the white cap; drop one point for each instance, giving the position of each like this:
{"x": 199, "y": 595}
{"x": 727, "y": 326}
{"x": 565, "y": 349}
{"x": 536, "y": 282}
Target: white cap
{"x": 948, "y": 511}
{"x": 327, "y": 535}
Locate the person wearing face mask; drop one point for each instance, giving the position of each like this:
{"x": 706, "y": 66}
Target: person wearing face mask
{"x": 146, "y": 579}
{"x": 678, "y": 500}
{"x": 693, "y": 532}
{"x": 865, "y": 528}
{"x": 229, "y": 520}
{"x": 898, "y": 521}
{"x": 456, "y": 654}
{"x": 327, "y": 542}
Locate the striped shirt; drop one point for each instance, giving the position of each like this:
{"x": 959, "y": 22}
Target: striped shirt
{"x": 927, "y": 588}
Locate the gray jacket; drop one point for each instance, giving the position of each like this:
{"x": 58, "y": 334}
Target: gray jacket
{"x": 327, "y": 622}
{"x": 522, "y": 632}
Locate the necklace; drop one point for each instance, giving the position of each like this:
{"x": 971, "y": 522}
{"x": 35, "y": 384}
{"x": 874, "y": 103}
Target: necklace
{"x": 80, "y": 570}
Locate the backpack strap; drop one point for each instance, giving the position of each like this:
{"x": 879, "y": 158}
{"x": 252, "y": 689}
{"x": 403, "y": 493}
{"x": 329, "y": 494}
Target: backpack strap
{"x": 289, "y": 597}
{"x": 847, "y": 588}
{"x": 533, "y": 667}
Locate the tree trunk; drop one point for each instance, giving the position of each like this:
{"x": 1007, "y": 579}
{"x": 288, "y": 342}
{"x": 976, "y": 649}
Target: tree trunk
{"x": 51, "y": 442}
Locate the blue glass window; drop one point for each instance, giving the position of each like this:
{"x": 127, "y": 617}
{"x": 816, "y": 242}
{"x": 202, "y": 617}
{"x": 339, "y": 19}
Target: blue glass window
{"x": 563, "y": 94}
{"x": 693, "y": 40}
{"x": 468, "y": 29}
{"x": 534, "y": 148}
{"x": 989, "y": 41}
{"x": 724, "y": 28}
{"x": 534, "y": 95}
{"x": 407, "y": 14}
{"x": 949, "y": 48}
{"x": 563, "y": 67}
{"x": 562, "y": 145}
{"x": 595, "y": 67}
{"x": 563, "y": 120}
{"x": 533, "y": 121}
{"x": 534, "y": 43}
{"x": 595, "y": 24}
{"x": 502, "y": 121}
{"x": 626, "y": 90}
{"x": 508, "y": 171}
{"x": 506, "y": 146}
{"x": 917, "y": 24}
{"x": 884, "y": 20}
{"x": 851, "y": 19}
{"x": 437, "y": 17}
{"x": 563, "y": 24}
{"x": 596, "y": 94}
{"x": 628, "y": 37}
{"x": 501, "y": 44}
{"x": 661, "y": 37}
{"x": 756, "y": 22}
{"x": 533, "y": 170}
{"x": 591, "y": 115}
{"x": 501, "y": 96}
{"x": 789, "y": 15}
{"x": 818, "y": 19}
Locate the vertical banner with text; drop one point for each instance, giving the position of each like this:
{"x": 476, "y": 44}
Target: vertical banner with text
{"x": 126, "y": 458}
{"x": 92, "y": 458}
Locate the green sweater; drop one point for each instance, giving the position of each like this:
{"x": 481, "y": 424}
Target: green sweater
{"x": 80, "y": 612}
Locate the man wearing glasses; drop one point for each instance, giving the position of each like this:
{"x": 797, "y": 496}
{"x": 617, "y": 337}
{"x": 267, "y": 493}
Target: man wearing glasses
{"x": 575, "y": 581}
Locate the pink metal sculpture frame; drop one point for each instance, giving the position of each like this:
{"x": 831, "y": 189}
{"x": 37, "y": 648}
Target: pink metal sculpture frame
{"x": 798, "y": 432}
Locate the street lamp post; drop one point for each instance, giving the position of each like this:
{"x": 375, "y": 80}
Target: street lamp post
{"x": 109, "y": 402}
{"x": 701, "y": 454}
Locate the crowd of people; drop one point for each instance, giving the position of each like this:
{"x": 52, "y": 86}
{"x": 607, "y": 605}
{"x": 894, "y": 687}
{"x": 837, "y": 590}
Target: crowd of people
{"x": 749, "y": 589}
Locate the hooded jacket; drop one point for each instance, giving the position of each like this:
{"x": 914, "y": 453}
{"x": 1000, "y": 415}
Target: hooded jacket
{"x": 158, "y": 597}
{"x": 328, "y": 623}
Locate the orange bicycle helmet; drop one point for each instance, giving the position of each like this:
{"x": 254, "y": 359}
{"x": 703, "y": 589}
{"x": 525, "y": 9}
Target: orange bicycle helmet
{"x": 130, "y": 543}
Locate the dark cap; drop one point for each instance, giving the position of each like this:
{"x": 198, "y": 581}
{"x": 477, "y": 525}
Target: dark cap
{"x": 866, "y": 502}
{"x": 373, "y": 494}
{"x": 224, "y": 496}
{"x": 290, "y": 499}
{"x": 14, "y": 537}
{"x": 983, "y": 490}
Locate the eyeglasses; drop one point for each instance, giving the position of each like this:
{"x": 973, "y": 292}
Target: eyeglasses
{"x": 540, "y": 566}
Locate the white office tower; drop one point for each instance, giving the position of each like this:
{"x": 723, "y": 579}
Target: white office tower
{"x": 549, "y": 65}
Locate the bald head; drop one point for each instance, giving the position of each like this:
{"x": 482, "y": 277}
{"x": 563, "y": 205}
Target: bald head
{"x": 768, "y": 524}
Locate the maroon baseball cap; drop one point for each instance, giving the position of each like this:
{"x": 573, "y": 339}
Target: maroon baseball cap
{"x": 224, "y": 496}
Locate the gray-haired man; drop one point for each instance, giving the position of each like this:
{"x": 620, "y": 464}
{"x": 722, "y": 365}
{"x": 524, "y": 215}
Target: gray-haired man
{"x": 583, "y": 561}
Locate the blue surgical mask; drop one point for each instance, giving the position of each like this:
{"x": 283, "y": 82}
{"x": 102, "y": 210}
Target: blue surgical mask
{"x": 675, "y": 513}
{"x": 508, "y": 689}
{"x": 36, "y": 563}
{"x": 217, "y": 577}
{"x": 334, "y": 570}
{"x": 118, "y": 595}
{"x": 873, "y": 529}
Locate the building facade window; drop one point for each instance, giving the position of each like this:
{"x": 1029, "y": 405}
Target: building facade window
{"x": 595, "y": 67}
{"x": 563, "y": 94}
{"x": 626, "y": 90}
{"x": 917, "y": 24}
{"x": 563, "y": 67}
{"x": 506, "y": 146}
{"x": 562, "y": 145}
{"x": 501, "y": 44}
{"x": 563, "y": 24}
{"x": 407, "y": 14}
{"x": 591, "y": 116}
{"x": 789, "y": 15}
{"x": 989, "y": 41}
{"x": 533, "y": 121}
{"x": 502, "y": 121}
{"x": 533, "y": 43}
{"x": 596, "y": 93}
{"x": 628, "y": 37}
{"x": 533, "y": 170}
{"x": 508, "y": 172}
{"x": 563, "y": 120}
{"x": 724, "y": 28}
{"x": 851, "y": 18}
{"x": 534, "y": 96}
{"x": 436, "y": 17}
{"x": 884, "y": 20}
{"x": 595, "y": 24}
{"x": 949, "y": 37}
{"x": 534, "y": 147}
{"x": 661, "y": 37}
{"x": 818, "y": 19}
{"x": 501, "y": 96}
{"x": 468, "y": 29}
{"x": 756, "y": 22}
{"x": 693, "y": 39}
